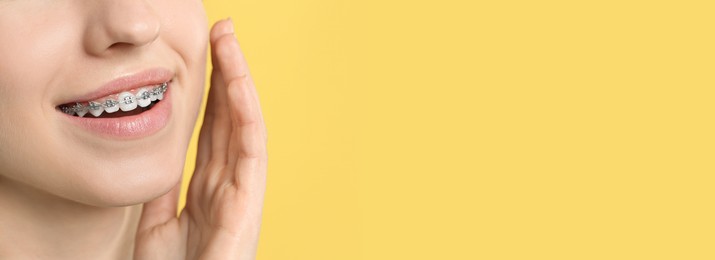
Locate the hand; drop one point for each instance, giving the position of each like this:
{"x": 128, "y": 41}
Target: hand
{"x": 222, "y": 217}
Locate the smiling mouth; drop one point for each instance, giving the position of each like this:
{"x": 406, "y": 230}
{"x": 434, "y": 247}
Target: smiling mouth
{"x": 126, "y": 103}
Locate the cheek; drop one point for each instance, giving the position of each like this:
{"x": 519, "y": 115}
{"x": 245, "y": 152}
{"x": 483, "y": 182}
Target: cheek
{"x": 33, "y": 52}
{"x": 37, "y": 43}
{"x": 35, "y": 46}
{"x": 186, "y": 32}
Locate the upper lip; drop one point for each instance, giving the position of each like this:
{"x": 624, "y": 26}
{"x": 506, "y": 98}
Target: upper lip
{"x": 154, "y": 76}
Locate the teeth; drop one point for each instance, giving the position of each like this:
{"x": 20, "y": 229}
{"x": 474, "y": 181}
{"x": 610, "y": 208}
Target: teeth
{"x": 95, "y": 108}
{"x": 143, "y": 97}
{"x": 127, "y": 101}
{"x": 68, "y": 110}
{"x": 153, "y": 96}
{"x": 111, "y": 105}
{"x": 79, "y": 109}
{"x": 160, "y": 91}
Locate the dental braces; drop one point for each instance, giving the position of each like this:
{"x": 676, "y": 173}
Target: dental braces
{"x": 110, "y": 103}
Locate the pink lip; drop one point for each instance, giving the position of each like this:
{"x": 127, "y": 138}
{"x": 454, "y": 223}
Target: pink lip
{"x": 129, "y": 127}
{"x": 149, "y": 77}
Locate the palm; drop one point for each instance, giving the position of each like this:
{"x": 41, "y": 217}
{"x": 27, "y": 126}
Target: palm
{"x": 222, "y": 216}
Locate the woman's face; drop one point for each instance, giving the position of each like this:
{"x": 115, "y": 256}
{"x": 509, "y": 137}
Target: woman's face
{"x": 56, "y": 54}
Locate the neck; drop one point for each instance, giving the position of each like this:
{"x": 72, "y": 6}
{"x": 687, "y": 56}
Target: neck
{"x": 36, "y": 224}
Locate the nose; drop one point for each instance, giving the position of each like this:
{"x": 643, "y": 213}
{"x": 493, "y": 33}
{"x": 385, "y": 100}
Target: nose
{"x": 120, "y": 24}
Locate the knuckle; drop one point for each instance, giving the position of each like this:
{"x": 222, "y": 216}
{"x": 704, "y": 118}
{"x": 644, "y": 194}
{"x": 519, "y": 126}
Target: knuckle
{"x": 238, "y": 80}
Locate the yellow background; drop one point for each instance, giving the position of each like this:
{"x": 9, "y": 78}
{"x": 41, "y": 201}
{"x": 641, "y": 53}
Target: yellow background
{"x": 484, "y": 129}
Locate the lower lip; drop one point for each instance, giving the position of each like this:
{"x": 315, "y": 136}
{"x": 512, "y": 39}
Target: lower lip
{"x": 128, "y": 127}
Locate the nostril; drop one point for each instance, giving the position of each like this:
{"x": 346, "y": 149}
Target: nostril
{"x": 117, "y": 45}
{"x": 120, "y": 46}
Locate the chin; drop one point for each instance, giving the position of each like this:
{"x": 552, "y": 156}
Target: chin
{"x": 134, "y": 184}
{"x": 130, "y": 178}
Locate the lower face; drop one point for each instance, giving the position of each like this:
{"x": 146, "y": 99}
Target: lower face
{"x": 59, "y": 54}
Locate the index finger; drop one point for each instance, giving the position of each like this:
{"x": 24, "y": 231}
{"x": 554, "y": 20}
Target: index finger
{"x": 234, "y": 69}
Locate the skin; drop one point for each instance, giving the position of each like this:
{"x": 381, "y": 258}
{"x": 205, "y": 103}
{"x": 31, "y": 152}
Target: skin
{"x": 68, "y": 194}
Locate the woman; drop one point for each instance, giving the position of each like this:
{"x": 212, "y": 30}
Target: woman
{"x": 98, "y": 100}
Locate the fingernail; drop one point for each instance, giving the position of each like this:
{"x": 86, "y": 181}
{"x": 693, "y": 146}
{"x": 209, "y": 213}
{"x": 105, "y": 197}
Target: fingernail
{"x": 230, "y": 24}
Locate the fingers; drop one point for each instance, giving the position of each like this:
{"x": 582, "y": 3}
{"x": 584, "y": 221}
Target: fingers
{"x": 248, "y": 138}
{"x": 233, "y": 129}
{"x": 217, "y": 110}
{"x": 160, "y": 210}
{"x": 231, "y": 71}
{"x": 216, "y": 128}
{"x": 250, "y": 156}
{"x": 246, "y": 116}
{"x": 213, "y": 106}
